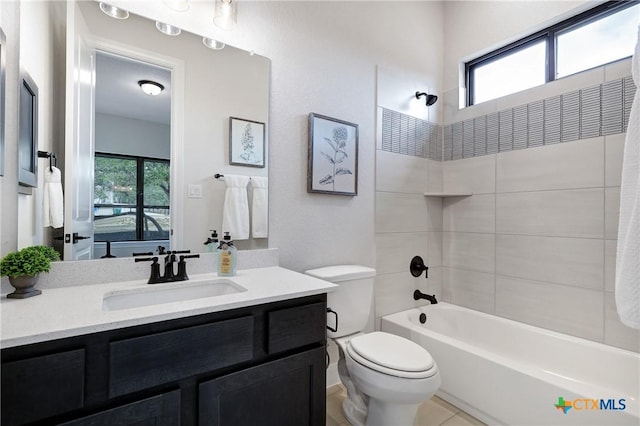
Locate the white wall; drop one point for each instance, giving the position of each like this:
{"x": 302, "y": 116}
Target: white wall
{"x": 127, "y": 136}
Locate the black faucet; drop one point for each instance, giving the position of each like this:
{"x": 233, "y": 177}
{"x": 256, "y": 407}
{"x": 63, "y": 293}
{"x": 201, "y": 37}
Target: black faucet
{"x": 417, "y": 295}
{"x": 169, "y": 260}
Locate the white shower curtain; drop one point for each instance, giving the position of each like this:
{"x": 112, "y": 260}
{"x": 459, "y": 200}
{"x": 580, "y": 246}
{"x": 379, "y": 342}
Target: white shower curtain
{"x": 627, "y": 288}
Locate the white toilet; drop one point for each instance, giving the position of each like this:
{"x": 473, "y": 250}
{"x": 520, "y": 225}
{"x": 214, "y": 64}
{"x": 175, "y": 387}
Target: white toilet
{"x": 387, "y": 376}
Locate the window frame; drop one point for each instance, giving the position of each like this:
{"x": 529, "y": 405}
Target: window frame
{"x": 548, "y": 34}
{"x": 139, "y": 205}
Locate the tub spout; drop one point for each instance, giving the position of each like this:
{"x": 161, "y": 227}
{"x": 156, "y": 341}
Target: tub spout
{"x": 417, "y": 295}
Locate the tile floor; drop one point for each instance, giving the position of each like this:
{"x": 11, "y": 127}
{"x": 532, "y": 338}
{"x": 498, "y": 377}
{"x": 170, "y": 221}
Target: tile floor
{"x": 435, "y": 412}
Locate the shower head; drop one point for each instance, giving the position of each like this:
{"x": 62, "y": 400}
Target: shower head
{"x": 431, "y": 99}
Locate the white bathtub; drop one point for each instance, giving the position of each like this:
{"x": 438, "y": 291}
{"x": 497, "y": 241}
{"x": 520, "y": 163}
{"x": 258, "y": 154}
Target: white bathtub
{"x": 506, "y": 372}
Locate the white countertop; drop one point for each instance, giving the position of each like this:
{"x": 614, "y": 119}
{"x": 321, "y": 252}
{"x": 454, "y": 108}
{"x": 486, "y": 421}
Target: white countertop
{"x": 72, "y": 311}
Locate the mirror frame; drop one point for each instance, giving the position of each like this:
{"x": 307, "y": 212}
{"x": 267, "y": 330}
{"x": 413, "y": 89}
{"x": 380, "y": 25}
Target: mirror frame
{"x": 28, "y": 132}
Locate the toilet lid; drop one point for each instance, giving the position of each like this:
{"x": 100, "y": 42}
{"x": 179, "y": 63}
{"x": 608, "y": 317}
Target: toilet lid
{"x": 391, "y": 354}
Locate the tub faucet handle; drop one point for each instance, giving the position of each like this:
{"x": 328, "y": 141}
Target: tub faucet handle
{"x": 417, "y": 266}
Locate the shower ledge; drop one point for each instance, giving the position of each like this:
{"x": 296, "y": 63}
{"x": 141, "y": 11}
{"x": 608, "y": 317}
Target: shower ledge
{"x": 448, "y": 194}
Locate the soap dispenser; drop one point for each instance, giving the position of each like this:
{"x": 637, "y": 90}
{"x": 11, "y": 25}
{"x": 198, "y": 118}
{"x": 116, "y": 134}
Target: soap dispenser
{"x": 226, "y": 257}
{"x": 212, "y": 241}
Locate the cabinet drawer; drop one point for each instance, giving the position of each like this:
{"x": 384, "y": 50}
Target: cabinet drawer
{"x": 295, "y": 327}
{"x": 151, "y": 360}
{"x": 39, "y": 387}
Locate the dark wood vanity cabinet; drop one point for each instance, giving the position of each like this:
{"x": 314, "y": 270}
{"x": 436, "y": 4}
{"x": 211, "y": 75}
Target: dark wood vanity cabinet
{"x": 259, "y": 365}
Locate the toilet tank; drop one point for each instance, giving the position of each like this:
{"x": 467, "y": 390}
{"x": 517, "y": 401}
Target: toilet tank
{"x": 353, "y": 298}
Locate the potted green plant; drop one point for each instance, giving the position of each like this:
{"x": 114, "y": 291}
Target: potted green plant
{"x": 23, "y": 268}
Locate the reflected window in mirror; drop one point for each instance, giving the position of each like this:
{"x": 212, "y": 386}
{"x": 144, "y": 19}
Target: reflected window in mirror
{"x": 131, "y": 199}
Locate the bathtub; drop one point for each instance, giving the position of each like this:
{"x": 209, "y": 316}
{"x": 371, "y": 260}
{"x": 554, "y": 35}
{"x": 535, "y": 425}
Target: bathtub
{"x": 505, "y": 372}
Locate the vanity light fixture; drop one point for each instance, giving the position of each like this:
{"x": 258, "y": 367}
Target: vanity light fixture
{"x": 150, "y": 87}
{"x": 168, "y": 29}
{"x": 431, "y": 99}
{"x": 114, "y": 12}
{"x": 177, "y": 5}
{"x": 212, "y": 44}
{"x": 226, "y": 14}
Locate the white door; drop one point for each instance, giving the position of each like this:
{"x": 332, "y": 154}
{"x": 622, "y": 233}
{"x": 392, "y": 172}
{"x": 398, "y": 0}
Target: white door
{"x": 79, "y": 138}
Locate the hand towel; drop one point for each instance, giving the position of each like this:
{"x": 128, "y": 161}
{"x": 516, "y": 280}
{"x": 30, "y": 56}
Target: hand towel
{"x": 627, "y": 286}
{"x": 53, "y": 200}
{"x": 260, "y": 207}
{"x": 235, "y": 213}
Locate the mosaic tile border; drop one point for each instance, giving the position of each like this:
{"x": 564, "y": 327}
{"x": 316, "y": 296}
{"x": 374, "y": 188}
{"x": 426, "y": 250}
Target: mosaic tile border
{"x": 408, "y": 135}
{"x": 594, "y": 111}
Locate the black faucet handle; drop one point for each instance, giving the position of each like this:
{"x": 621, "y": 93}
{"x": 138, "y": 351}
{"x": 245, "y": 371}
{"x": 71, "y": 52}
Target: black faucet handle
{"x": 189, "y": 256}
{"x": 179, "y": 252}
{"x": 147, "y": 253}
{"x": 146, "y": 259}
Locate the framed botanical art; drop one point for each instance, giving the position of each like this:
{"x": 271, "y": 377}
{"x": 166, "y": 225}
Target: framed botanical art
{"x": 333, "y": 156}
{"x": 246, "y": 142}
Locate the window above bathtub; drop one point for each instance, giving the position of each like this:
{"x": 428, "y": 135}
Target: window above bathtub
{"x": 593, "y": 38}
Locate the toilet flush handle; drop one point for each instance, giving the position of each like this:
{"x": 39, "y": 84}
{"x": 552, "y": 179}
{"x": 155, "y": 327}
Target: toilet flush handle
{"x": 331, "y": 311}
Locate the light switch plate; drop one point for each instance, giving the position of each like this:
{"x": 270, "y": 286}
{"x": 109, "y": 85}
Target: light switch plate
{"x": 194, "y": 191}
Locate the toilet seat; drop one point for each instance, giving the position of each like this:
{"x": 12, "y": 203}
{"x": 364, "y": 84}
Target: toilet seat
{"x": 392, "y": 355}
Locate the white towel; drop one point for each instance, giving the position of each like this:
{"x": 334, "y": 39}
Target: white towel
{"x": 627, "y": 288}
{"x": 53, "y": 199}
{"x": 235, "y": 214}
{"x": 260, "y": 207}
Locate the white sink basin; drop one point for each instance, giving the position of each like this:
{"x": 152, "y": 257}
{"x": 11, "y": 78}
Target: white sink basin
{"x": 158, "y": 294}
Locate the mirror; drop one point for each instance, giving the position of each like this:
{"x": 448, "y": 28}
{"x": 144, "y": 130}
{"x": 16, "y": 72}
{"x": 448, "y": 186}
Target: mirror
{"x": 211, "y": 86}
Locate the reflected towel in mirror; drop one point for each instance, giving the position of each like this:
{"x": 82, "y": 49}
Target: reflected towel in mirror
{"x": 259, "y": 207}
{"x": 53, "y": 199}
{"x": 235, "y": 213}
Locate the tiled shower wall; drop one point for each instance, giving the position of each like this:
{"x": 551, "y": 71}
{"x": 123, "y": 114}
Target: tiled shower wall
{"x": 536, "y": 242}
{"x": 407, "y": 222}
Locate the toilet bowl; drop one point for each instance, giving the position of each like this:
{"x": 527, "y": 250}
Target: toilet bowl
{"x": 387, "y": 376}
{"x": 395, "y": 374}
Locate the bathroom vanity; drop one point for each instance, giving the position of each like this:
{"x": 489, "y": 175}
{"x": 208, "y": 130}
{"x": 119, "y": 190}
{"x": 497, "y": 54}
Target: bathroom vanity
{"x": 255, "y": 357}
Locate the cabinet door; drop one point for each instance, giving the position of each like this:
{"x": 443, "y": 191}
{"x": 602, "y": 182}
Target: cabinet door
{"x": 286, "y": 392}
{"x": 160, "y": 410}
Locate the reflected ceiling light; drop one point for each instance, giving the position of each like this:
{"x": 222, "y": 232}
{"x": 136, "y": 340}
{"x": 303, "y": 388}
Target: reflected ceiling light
{"x": 431, "y": 99}
{"x": 150, "y": 87}
{"x": 168, "y": 29}
{"x": 114, "y": 12}
{"x": 225, "y": 15}
{"x": 212, "y": 44}
{"x": 177, "y": 5}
